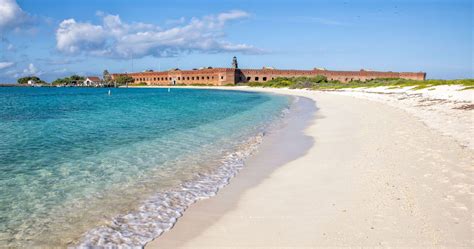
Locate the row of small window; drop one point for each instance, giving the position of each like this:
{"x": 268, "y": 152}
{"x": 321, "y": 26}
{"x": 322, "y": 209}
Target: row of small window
{"x": 257, "y": 78}
{"x": 179, "y": 78}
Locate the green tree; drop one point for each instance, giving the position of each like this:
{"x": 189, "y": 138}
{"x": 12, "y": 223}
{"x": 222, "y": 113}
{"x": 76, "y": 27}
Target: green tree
{"x": 59, "y": 82}
{"x": 106, "y": 76}
{"x": 24, "y": 80}
{"x": 76, "y": 79}
{"x": 72, "y": 80}
{"x": 124, "y": 79}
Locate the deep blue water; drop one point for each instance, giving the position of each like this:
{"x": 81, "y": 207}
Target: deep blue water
{"x": 73, "y": 159}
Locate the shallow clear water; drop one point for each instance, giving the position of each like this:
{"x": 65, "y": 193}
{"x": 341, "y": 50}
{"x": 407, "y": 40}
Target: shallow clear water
{"x": 81, "y": 168}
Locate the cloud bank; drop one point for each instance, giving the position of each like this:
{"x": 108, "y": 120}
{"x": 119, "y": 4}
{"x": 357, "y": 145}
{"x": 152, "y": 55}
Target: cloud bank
{"x": 12, "y": 16}
{"x": 116, "y": 39}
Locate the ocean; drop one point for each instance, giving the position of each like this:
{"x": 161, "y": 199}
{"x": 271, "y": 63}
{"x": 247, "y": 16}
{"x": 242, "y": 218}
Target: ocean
{"x": 81, "y": 168}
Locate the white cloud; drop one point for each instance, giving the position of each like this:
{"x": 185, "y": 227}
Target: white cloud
{"x": 6, "y": 64}
{"x": 30, "y": 70}
{"x": 236, "y": 14}
{"x": 71, "y": 37}
{"x": 116, "y": 39}
{"x": 12, "y": 16}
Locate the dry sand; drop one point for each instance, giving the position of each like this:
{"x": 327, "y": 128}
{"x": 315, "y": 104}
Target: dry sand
{"x": 354, "y": 173}
{"x": 447, "y": 109}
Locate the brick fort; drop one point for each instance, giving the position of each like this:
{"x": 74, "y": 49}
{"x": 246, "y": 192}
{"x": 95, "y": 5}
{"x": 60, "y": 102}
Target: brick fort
{"x": 234, "y": 75}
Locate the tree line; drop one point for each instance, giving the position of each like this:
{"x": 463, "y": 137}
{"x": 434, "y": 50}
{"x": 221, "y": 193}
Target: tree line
{"x": 77, "y": 80}
{"x": 34, "y": 79}
{"x": 71, "y": 80}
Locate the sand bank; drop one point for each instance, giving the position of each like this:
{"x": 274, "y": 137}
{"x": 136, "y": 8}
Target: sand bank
{"x": 353, "y": 173}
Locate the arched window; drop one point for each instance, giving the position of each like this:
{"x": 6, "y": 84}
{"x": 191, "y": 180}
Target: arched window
{"x": 256, "y": 78}
{"x": 248, "y": 78}
{"x": 264, "y": 78}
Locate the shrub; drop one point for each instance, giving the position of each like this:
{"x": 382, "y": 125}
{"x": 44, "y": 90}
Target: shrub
{"x": 321, "y": 83}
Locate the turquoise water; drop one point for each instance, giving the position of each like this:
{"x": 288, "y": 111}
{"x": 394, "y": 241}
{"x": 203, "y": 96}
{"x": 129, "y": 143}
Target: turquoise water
{"x": 81, "y": 168}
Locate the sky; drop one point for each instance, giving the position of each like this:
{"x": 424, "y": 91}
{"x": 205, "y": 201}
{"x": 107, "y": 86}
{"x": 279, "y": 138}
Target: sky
{"x": 58, "y": 38}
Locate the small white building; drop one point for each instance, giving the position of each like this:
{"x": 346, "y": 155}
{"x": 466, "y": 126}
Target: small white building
{"x": 92, "y": 81}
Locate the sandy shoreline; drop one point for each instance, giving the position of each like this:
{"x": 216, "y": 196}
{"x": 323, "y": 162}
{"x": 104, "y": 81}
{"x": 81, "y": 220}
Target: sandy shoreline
{"x": 354, "y": 173}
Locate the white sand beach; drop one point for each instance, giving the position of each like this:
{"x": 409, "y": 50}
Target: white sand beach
{"x": 348, "y": 171}
{"x": 447, "y": 109}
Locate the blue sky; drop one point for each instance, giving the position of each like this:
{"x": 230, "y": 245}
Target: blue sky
{"x": 52, "y": 38}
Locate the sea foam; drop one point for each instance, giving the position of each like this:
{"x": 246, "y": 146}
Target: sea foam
{"x": 160, "y": 212}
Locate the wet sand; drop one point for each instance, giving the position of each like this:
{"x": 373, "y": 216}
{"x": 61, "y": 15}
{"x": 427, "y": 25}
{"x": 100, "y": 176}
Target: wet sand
{"x": 342, "y": 172}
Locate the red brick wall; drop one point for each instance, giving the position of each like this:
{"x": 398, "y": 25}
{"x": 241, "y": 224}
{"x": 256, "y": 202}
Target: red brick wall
{"x": 213, "y": 76}
{"x": 260, "y": 75}
{"x": 225, "y": 76}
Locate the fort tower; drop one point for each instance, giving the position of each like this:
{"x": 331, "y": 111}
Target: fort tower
{"x": 235, "y": 65}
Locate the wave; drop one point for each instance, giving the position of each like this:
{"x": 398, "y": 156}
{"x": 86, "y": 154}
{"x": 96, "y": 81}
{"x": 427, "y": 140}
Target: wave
{"x": 159, "y": 213}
